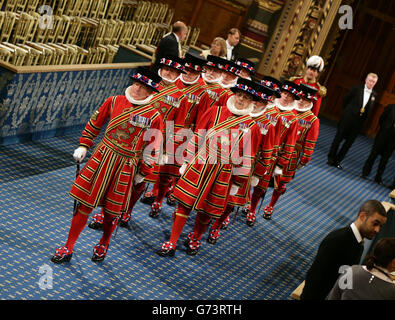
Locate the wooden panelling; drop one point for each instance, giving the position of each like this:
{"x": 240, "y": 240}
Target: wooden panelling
{"x": 368, "y": 47}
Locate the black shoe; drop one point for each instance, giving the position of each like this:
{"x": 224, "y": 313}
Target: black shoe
{"x": 170, "y": 201}
{"x": 211, "y": 240}
{"x": 250, "y": 223}
{"x": 61, "y": 255}
{"x": 166, "y": 253}
{"x": 363, "y": 176}
{"x": 99, "y": 252}
{"x": 245, "y": 210}
{"x": 379, "y": 181}
{"x": 148, "y": 200}
{"x": 338, "y": 165}
{"x": 192, "y": 252}
{"x": 95, "y": 225}
{"x": 124, "y": 224}
{"x": 167, "y": 250}
{"x": 330, "y": 162}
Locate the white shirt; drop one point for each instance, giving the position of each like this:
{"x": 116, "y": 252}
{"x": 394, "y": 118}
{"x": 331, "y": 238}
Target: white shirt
{"x": 366, "y": 95}
{"x": 356, "y": 232}
{"x": 229, "y": 50}
{"x": 179, "y": 45}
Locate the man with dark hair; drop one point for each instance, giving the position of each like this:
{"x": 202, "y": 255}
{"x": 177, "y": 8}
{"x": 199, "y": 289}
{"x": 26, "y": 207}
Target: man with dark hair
{"x": 342, "y": 247}
{"x": 170, "y": 45}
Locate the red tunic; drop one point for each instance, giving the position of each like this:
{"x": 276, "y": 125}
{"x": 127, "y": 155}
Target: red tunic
{"x": 225, "y": 157}
{"x": 307, "y": 135}
{"x": 213, "y": 92}
{"x": 184, "y": 124}
{"x": 286, "y": 130}
{"x": 168, "y": 101}
{"x": 266, "y": 126}
{"x": 107, "y": 178}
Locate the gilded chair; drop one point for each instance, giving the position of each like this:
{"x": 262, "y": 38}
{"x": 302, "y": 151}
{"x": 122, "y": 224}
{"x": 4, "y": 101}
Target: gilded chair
{"x": 19, "y": 55}
{"x": 31, "y": 6}
{"x": 74, "y": 30}
{"x": 61, "y": 33}
{"x": 114, "y": 9}
{"x": 5, "y": 54}
{"x": 8, "y": 25}
{"x": 146, "y": 10}
{"x": 20, "y": 5}
{"x": 33, "y": 56}
{"x": 23, "y": 27}
{"x": 61, "y": 7}
{"x": 10, "y": 5}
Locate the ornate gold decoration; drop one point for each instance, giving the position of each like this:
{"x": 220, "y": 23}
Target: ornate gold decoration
{"x": 270, "y": 5}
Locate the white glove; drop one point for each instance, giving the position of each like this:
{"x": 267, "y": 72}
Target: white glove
{"x": 182, "y": 168}
{"x": 138, "y": 178}
{"x": 80, "y": 153}
{"x": 164, "y": 159}
{"x": 233, "y": 190}
{"x": 277, "y": 171}
{"x": 254, "y": 181}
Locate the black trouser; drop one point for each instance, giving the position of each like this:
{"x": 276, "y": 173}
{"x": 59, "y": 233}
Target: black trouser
{"x": 385, "y": 155}
{"x": 349, "y": 134}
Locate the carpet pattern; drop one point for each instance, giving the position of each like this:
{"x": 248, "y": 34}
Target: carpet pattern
{"x": 267, "y": 261}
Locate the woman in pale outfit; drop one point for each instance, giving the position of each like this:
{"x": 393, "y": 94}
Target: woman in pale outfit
{"x": 372, "y": 281}
{"x": 218, "y": 48}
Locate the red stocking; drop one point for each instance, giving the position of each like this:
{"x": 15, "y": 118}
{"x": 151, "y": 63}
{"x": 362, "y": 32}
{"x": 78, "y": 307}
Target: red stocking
{"x": 77, "y": 225}
{"x": 181, "y": 217}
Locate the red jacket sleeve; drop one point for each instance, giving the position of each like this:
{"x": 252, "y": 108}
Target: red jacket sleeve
{"x": 96, "y": 122}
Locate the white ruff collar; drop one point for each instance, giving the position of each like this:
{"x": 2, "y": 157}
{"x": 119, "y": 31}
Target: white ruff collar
{"x": 218, "y": 80}
{"x": 258, "y": 114}
{"x": 231, "y": 107}
{"x": 167, "y": 80}
{"x": 187, "y": 82}
{"x": 134, "y": 101}
{"x": 298, "y": 108}
{"x": 284, "y": 108}
{"x": 229, "y": 85}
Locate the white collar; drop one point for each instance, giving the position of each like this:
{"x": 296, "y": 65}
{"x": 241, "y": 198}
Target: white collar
{"x": 218, "y": 80}
{"x": 258, "y": 114}
{"x": 187, "y": 82}
{"x": 356, "y": 232}
{"x": 231, "y": 107}
{"x": 178, "y": 39}
{"x": 284, "y": 108}
{"x": 228, "y": 45}
{"x": 134, "y": 101}
{"x": 168, "y": 80}
{"x": 367, "y": 89}
{"x": 303, "y": 109}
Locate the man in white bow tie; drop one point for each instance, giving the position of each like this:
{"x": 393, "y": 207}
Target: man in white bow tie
{"x": 356, "y": 106}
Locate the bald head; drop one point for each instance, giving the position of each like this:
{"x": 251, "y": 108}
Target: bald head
{"x": 180, "y": 29}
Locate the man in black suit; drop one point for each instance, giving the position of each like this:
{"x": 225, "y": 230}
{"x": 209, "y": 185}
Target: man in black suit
{"x": 356, "y": 105}
{"x": 384, "y": 144}
{"x": 170, "y": 45}
{"x": 342, "y": 247}
{"x": 232, "y": 42}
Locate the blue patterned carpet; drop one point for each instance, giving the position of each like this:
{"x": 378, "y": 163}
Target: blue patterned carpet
{"x": 267, "y": 261}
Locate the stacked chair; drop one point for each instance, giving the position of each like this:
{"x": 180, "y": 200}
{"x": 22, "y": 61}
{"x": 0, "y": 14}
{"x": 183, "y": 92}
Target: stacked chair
{"x": 58, "y": 32}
